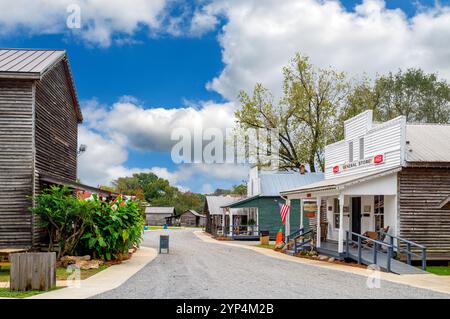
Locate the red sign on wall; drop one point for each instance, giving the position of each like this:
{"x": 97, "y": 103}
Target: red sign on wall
{"x": 378, "y": 159}
{"x": 336, "y": 169}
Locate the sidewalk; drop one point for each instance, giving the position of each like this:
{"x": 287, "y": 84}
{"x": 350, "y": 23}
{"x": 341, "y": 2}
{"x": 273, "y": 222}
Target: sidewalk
{"x": 427, "y": 281}
{"x": 108, "y": 279}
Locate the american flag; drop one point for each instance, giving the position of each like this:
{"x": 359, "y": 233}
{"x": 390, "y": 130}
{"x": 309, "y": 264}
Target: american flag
{"x": 284, "y": 210}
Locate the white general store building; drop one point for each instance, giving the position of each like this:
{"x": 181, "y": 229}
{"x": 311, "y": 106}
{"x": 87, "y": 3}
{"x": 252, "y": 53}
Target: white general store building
{"x": 390, "y": 174}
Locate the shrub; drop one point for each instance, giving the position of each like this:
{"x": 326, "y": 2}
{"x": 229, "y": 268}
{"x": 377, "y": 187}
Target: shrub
{"x": 64, "y": 216}
{"x": 114, "y": 229}
{"x": 101, "y": 229}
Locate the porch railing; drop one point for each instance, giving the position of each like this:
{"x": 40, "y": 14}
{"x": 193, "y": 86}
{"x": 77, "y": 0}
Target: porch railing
{"x": 368, "y": 241}
{"x": 408, "y": 248}
{"x": 245, "y": 230}
{"x": 299, "y": 238}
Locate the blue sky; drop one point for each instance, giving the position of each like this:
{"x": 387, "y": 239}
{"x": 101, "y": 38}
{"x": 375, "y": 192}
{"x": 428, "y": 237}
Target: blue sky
{"x": 196, "y": 65}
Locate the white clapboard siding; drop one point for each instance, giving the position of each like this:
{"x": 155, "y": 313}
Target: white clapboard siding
{"x": 358, "y": 125}
{"x": 386, "y": 138}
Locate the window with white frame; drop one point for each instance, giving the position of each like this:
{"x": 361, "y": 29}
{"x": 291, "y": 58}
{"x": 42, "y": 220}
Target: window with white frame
{"x": 378, "y": 210}
{"x": 336, "y": 213}
{"x": 350, "y": 151}
{"x": 361, "y": 148}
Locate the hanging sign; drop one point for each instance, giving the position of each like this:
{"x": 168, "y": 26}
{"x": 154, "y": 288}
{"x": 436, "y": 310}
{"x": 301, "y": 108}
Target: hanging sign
{"x": 310, "y": 209}
{"x": 373, "y": 160}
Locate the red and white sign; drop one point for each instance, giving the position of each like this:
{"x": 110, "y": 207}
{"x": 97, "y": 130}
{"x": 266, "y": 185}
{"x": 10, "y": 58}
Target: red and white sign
{"x": 378, "y": 159}
{"x": 373, "y": 160}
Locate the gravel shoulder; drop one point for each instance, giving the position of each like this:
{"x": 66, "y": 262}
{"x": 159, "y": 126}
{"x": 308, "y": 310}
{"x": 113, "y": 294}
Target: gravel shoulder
{"x": 198, "y": 269}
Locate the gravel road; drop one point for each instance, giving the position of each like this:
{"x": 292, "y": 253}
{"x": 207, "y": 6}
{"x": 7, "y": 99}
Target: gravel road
{"x": 196, "y": 269}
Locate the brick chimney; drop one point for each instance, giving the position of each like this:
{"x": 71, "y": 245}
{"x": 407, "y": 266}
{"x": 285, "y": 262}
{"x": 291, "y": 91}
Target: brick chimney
{"x": 301, "y": 169}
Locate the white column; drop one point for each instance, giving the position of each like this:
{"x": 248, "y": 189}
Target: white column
{"x": 231, "y": 222}
{"x": 341, "y": 224}
{"x": 318, "y": 202}
{"x": 287, "y": 226}
{"x": 301, "y": 213}
{"x": 223, "y": 222}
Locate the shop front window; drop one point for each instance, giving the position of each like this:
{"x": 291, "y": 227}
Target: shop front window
{"x": 379, "y": 212}
{"x": 336, "y": 213}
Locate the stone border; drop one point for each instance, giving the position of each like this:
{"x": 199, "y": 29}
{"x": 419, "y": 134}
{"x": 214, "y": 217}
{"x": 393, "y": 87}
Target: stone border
{"x": 425, "y": 281}
{"x": 108, "y": 279}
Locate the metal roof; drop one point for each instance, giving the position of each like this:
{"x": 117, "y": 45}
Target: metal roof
{"x": 193, "y": 212}
{"x": 427, "y": 143}
{"x": 334, "y": 183}
{"x": 272, "y": 183}
{"x": 159, "y": 210}
{"x": 32, "y": 64}
{"x": 27, "y": 62}
{"x": 216, "y": 202}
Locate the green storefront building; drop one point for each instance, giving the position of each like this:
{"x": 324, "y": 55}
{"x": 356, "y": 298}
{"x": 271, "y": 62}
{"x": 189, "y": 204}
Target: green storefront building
{"x": 260, "y": 210}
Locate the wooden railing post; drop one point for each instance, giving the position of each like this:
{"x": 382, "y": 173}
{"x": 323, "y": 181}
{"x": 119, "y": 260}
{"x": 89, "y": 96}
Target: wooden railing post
{"x": 388, "y": 266}
{"x": 374, "y": 253}
{"x": 408, "y": 253}
{"x": 347, "y": 248}
{"x": 424, "y": 258}
{"x": 359, "y": 250}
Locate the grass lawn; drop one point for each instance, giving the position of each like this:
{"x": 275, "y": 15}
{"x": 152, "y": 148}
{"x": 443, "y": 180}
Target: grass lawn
{"x": 439, "y": 270}
{"x": 61, "y": 273}
{"x": 269, "y": 246}
{"x": 6, "y": 293}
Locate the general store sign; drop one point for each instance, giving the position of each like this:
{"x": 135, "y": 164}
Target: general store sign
{"x": 373, "y": 160}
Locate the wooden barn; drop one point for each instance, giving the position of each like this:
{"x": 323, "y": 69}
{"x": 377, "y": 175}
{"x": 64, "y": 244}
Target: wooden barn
{"x": 191, "y": 218}
{"x": 158, "y": 216}
{"x": 39, "y": 117}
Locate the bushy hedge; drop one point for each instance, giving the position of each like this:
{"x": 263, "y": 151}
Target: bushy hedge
{"x": 100, "y": 229}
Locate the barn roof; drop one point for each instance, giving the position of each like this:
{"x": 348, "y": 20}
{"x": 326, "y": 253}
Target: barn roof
{"x": 427, "y": 143}
{"x": 216, "y": 202}
{"x": 193, "y": 212}
{"x": 32, "y": 64}
{"x": 159, "y": 210}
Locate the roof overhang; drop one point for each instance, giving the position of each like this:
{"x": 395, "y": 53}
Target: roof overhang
{"x": 242, "y": 201}
{"x": 338, "y": 184}
{"x": 64, "y": 182}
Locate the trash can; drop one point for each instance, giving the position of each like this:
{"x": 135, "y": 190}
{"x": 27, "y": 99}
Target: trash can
{"x": 165, "y": 226}
{"x": 164, "y": 244}
{"x": 264, "y": 237}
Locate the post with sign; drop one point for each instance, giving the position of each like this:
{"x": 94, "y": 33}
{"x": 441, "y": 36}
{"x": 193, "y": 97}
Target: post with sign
{"x": 164, "y": 244}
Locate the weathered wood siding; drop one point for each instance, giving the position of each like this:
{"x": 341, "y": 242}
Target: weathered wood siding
{"x": 421, "y": 219}
{"x": 56, "y": 130}
{"x": 56, "y": 126}
{"x": 16, "y": 161}
{"x": 188, "y": 219}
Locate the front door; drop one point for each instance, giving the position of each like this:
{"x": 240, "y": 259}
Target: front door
{"x": 356, "y": 216}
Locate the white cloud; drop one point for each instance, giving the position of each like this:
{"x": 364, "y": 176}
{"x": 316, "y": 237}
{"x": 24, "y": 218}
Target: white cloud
{"x": 102, "y": 21}
{"x": 149, "y": 129}
{"x": 261, "y": 36}
{"x": 110, "y": 132}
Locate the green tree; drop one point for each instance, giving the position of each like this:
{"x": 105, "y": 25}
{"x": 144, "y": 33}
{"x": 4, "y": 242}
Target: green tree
{"x": 305, "y": 116}
{"x": 419, "y": 96}
{"x": 158, "y": 192}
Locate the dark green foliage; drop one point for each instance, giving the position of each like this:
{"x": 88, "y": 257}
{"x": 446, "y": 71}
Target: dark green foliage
{"x": 101, "y": 229}
{"x": 114, "y": 229}
{"x": 64, "y": 216}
